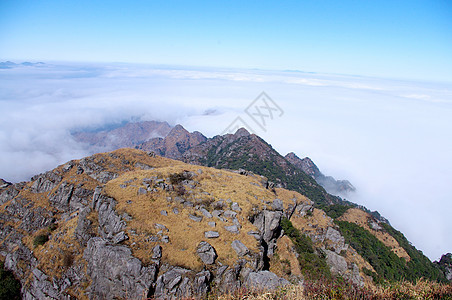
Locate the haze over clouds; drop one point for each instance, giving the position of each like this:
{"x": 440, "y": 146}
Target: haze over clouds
{"x": 391, "y": 139}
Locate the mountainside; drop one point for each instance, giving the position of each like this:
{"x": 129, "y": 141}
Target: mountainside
{"x": 241, "y": 150}
{"x": 129, "y": 224}
{"x": 331, "y": 185}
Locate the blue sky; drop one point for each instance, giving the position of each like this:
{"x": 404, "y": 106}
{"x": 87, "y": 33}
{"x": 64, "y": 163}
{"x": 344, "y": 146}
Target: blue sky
{"x": 395, "y": 39}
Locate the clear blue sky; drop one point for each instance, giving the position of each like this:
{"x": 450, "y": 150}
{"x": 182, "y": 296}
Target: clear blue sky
{"x": 407, "y": 39}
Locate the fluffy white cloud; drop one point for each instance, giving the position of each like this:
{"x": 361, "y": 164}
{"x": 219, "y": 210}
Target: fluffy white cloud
{"x": 392, "y": 139}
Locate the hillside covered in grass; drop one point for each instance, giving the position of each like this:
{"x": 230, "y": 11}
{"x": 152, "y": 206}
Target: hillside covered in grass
{"x": 130, "y": 224}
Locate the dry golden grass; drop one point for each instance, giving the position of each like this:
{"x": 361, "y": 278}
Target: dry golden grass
{"x": 359, "y": 217}
{"x": 285, "y": 262}
{"x": 289, "y": 292}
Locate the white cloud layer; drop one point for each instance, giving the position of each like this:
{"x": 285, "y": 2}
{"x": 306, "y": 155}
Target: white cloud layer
{"x": 392, "y": 139}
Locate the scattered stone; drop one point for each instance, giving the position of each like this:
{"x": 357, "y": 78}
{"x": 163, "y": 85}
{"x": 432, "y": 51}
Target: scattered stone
{"x": 141, "y": 191}
{"x": 207, "y": 253}
{"x": 230, "y": 214}
{"x": 175, "y": 211}
{"x": 232, "y": 228}
{"x": 195, "y": 218}
{"x": 235, "y": 207}
{"x": 156, "y": 252}
{"x": 164, "y": 213}
{"x": 179, "y": 200}
{"x": 160, "y": 226}
{"x": 217, "y": 214}
{"x": 165, "y": 239}
{"x": 239, "y": 247}
{"x": 206, "y": 213}
{"x": 278, "y": 204}
{"x": 255, "y": 234}
{"x": 211, "y": 234}
{"x": 120, "y": 237}
{"x": 123, "y": 186}
{"x": 188, "y": 204}
{"x": 212, "y": 224}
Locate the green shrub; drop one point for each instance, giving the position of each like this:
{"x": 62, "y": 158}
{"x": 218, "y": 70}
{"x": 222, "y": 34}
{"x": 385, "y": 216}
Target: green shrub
{"x": 312, "y": 262}
{"x": 9, "y": 286}
{"x": 40, "y": 240}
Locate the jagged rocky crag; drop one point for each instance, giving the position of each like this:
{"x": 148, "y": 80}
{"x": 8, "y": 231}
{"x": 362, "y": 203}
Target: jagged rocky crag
{"x": 129, "y": 225}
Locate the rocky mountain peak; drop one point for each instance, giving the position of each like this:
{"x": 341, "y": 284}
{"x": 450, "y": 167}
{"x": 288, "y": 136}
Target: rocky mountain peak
{"x": 241, "y": 132}
{"x": 331, "y": 185}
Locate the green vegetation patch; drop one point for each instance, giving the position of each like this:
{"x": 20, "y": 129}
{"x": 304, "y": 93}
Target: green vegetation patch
{"x": 312, "y": 263}
{"x": 335, "y": 210}
{"x": 40, "y": 239}
{"x": 419, "y": 266}
{"x": 9, "y": 285}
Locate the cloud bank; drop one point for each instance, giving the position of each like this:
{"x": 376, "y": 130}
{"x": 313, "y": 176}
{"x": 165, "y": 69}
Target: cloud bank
{"x": 392, "y": 139}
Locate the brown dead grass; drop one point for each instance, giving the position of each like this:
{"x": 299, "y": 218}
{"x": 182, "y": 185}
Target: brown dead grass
{"x": 285, "y": 262}
{"x": 359, "y": 217}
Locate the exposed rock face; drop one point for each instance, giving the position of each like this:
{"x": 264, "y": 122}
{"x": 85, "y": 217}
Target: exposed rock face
{"x": 445, "y": 264}
{"x": 177, "y": 283}
{"x": 207, "y": 253}
{"x": 175, "y": 143}
{"x": 338, "y": 266}
{"x": 331, "y": 185}
{"x": 268, "y": 224}
{"x": 115, "y": 272}
{"x": 265, "y": 280}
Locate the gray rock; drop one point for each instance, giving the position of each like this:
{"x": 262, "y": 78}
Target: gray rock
{"x": 211, "y": 234}
{"x": 109, "y": 222}
{"x": 232, "y": 228}
{"x": 265, "y": 280}
{"x": 239, "y": 247}
{"x": 335, "y": 240}
{"x": 235, "y": 207}
{"x": 161, "y": 227}
{"x": 337, "y": 263}
{"x": 165, "y": 239}
{"x": 175, "y": 211}
{"x": 268, "y": 224}
{"x": 278, "y": 205}
{"x": 156, "y": 252}
{"x": 120, "y": 237}
{"x": 206, "y": 213}
{"x": 142, "y": 191}
{"x": 217, "y": 214}
{"x": 195, "y": 218}
{"x": 206, "y": 252}
{"x": 230, "y": 214}
{"x": 83, "y": 231}
{"x": 164, "y": 213}
{"x": 179, "y": 283}
{"x": 188, "y": 204}
{"x": 255, "y": 234}
{"x": 114, "y": 272}
{"x": 212, "y": 224}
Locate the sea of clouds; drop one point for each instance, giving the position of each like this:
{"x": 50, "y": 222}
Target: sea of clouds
{"x": 391, "y": 138}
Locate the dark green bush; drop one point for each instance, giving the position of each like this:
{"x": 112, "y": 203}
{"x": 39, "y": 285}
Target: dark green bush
{"x": 9, "y": 286}
{"x": 312, "y": 262}
{"x": 40, "y": 240}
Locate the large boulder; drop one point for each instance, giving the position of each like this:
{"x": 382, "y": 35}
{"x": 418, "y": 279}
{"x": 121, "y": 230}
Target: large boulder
{"x": 207, "y": 253}
{"x": 115, "y": 273}
{"x": 264, "y": 280}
